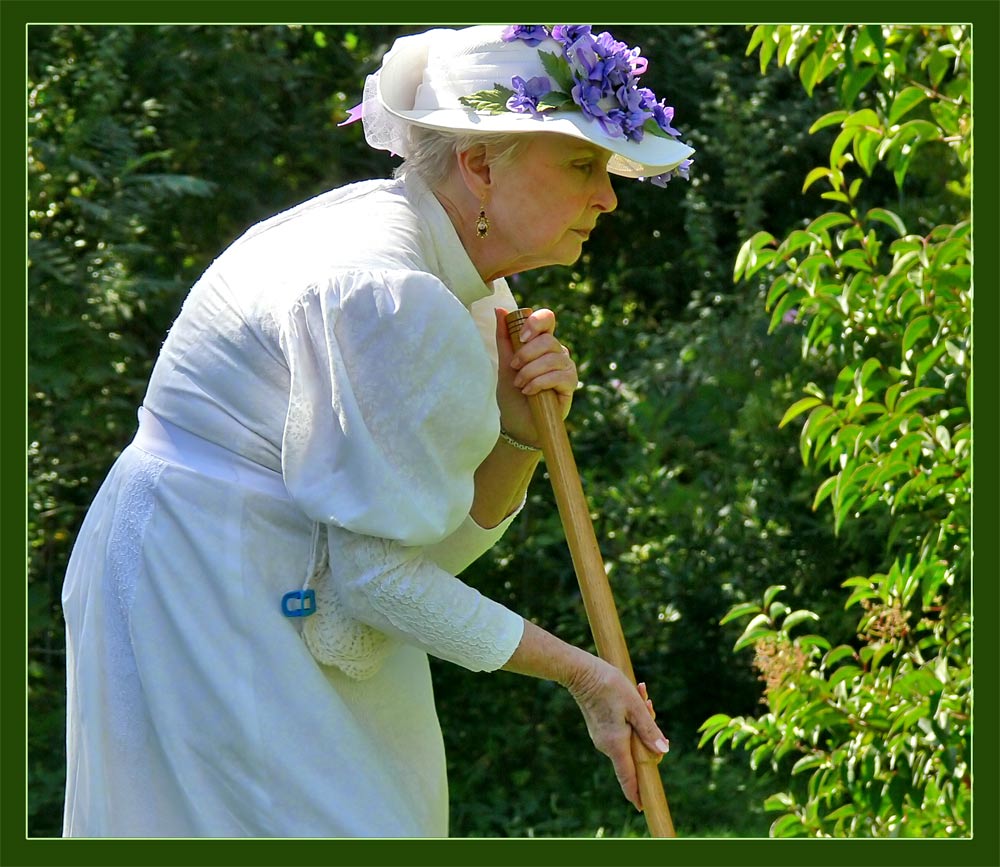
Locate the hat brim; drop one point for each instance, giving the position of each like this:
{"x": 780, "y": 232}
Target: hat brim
{"x": 652, "y": 156}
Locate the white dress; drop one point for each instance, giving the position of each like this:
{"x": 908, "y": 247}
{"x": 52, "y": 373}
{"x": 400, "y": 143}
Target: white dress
{"x": 312, "y": 425}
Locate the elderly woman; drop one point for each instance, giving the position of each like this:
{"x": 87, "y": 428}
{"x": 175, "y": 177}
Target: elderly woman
{"x": 336, "y": 426}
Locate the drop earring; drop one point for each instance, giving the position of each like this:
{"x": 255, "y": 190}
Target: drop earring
{"x": 482, "y": 224}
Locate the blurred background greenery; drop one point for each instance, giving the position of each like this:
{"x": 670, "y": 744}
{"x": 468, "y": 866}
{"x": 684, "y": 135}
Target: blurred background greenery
{"x": 153, "y": 147}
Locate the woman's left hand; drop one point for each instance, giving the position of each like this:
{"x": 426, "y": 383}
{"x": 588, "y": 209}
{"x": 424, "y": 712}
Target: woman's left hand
{"x": 541, "y": 363}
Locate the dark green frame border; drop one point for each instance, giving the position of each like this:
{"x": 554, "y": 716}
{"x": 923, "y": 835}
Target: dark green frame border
{"x": 16, "y": 849}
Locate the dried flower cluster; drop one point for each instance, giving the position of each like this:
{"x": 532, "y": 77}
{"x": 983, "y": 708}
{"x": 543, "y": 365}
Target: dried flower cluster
{"x": 777, "y": 660}
{"x": 885, "y": 622}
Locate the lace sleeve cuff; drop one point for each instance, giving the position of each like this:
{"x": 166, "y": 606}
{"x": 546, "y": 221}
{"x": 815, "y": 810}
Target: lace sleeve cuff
{"x": 401, "y": 593}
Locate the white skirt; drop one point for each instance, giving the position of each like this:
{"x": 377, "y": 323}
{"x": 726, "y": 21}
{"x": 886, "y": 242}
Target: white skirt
{"x": 194, "y": 708}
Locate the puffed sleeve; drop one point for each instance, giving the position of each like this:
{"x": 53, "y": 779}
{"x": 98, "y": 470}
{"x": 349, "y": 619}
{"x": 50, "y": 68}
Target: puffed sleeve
{"x": 392, "y": 408}
{"x": 392, "y": 405}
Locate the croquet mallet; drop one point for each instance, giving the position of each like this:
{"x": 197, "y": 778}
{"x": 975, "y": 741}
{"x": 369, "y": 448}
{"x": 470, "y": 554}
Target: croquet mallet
{"x": 591, "y": 575}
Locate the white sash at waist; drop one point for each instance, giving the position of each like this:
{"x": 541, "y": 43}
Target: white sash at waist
{"x": 175, "y": 445}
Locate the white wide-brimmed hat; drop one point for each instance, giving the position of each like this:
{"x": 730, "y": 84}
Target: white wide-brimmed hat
{"x": 495, "y": 79}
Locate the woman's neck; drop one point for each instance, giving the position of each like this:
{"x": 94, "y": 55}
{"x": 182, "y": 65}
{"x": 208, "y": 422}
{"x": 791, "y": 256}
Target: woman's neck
{"x": 463, "y": 211}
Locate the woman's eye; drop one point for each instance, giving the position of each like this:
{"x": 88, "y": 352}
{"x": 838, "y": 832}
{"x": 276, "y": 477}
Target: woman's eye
{"x": 587, "y": 167}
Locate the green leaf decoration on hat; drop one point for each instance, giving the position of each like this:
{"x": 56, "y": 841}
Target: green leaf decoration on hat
{"x": 489, "y": 101}
{"x": 558, "y": 69}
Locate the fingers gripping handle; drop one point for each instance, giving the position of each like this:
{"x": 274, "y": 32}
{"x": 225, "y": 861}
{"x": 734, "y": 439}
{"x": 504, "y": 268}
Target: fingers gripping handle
{"x": 589, "y": 567}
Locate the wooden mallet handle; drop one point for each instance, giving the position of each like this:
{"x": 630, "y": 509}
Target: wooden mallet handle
{"x": 591, "y": 575}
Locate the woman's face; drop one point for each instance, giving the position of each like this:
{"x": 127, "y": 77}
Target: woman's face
{"x": 545, "y": 202}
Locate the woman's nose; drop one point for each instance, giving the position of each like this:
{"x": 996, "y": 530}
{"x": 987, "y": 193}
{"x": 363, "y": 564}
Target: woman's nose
{"x": 605, "y": 198}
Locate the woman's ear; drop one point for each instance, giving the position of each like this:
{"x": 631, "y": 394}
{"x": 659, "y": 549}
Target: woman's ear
{"x": 474, "y": 168}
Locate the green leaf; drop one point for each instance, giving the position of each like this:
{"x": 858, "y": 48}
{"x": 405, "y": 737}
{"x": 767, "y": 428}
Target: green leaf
{"x": 860, "y": 593}
{"x": 824, "y": 491}
{"x": 558, "y": 70}
{"x": 714, "y": 723}
{"x": 925, "y": 364}
{"x": 556, "y": 100}
{"x": 797, "y": 240}
{"x": 786, "y": 826}
{"x": 897, "y": 791}
{"x": 844, "y": 673}
{"x": 874, "y": 32}
{"x": 888, "y": 217}
{"x": 866, "y": 371}
{"x": 950, "y": 251}
{"x": 650, "y": 126}
{"x": 815, "y": 175}
{"x": 759, "y": 32}
{"x": 853, "y": 83}
{"x": 808, "y": 72}
{"x": 856, "y": 259}
{"x": 937, "y": 64}
{"x": 767, "y": 47}
{"x": 838, "y": 653}
{"x": 822, "y": 422}
{"x": 813, "y": 641}
{"x": 779, "y": 801}
{"x": 787, "y": 302}
{"x": 918, "y": 131}
{"x": 906, "y": 100}
{"x": 865, "y": 147}
{"x": 759, "y": 260}
{"x": 797, "y": 408}
{"x": 889, "y": 470}
{"x": 840, "y": 144}
{"x": 914, "y": 331}
{"x": 797, "y": 617}
{"x": 748, "y": 252}
{"x": 828, "y": 221}
{"x": 902, "y": 264}
{"x": 755, "y": 629}
{"x": 742, "y": 257}
{"x": 786, "y": 47}
{"x": 772, "y": 592}
{"x": 807, "y": 762}
{"x": 914, "y": 396}
{"x": 489, "y": 101}
{"x": 828, "y": 120}
{"x": 864, "y": 118}
{"x": 778, "y": 288}
{"x": 844, "y": 811}
{"x": 740, "y": 610}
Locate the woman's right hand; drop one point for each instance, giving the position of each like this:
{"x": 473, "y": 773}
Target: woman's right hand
{"x": 614, "y": 709}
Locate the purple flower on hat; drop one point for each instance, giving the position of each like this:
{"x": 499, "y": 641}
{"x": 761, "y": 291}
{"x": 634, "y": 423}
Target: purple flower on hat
{"x": 608, "y": 45}
{"x": 583, "y": 58}
{"x": 596, "y": 74}
{"x": 613, "y": 123}
{"x": 635, "y": 111}
{"x": 527, "y": 93}
{"x": 567, "y": 34}
{"x": 588, "y": 96}
{"x": 680, "y": 170}
{"x": 531, "y": 34}
{"x": 663, "y": 114}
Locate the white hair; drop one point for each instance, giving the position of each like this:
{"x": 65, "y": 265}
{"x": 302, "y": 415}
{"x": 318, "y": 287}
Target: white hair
{"x": 432, "y": 152}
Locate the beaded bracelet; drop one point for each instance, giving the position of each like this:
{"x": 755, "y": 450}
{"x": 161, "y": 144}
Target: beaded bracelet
{"x": 517, "y": 444}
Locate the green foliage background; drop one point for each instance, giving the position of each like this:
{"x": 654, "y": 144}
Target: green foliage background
{"x": 153, "y": 147}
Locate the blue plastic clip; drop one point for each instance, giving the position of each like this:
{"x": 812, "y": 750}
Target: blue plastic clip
{"x": 306, "y": 603}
